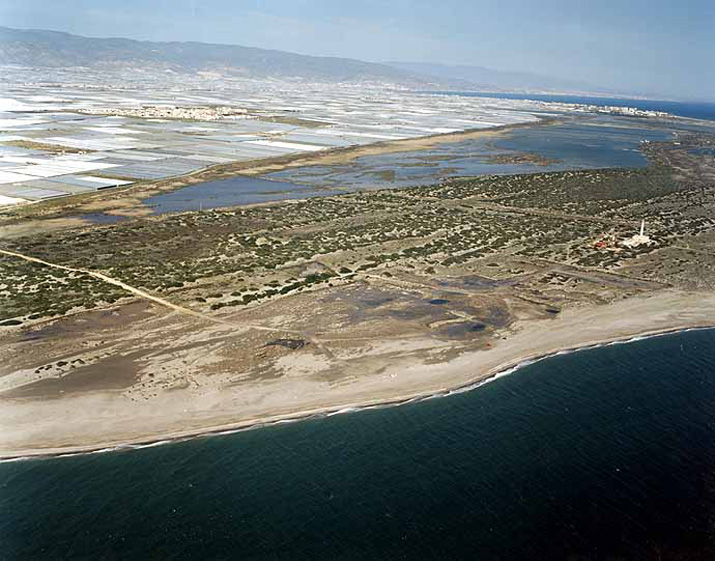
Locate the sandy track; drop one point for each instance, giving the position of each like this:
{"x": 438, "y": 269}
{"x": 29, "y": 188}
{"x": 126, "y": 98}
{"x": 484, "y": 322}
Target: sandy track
{"x": 141, "y": 293}
{"x": 100, "y": 420}
{"x": 120, "y": 284}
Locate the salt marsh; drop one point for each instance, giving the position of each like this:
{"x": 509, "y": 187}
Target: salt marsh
{"x": 590, "y": 143}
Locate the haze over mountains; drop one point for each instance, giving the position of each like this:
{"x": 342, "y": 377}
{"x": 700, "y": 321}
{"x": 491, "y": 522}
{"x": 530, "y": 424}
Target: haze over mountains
{"x": 490, "y": 78}
{"x": 52, "y": 49}
{"x": 39, "y": 48}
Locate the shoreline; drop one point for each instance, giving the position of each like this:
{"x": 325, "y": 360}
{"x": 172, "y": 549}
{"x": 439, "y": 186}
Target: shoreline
{"x": 378, "y": 373}
{"x": 490, "y": 375}
{"x": 121, "y": 201}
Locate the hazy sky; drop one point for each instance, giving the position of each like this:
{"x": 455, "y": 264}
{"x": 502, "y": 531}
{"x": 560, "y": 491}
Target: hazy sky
{"x": 662, "y": 47}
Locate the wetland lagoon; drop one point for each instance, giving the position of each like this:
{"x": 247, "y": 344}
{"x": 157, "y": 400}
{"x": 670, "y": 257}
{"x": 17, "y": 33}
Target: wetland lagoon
{"x": 583, "y": 143}
{"x": 239, "y": 190}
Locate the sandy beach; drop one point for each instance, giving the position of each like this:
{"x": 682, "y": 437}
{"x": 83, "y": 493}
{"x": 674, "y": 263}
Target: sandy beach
{"x": 391, "y": 373}
{"x": 203, "y": 322}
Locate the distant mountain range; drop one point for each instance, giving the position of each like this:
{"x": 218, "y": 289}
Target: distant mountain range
{"x": 487, "y": 78}
{"x": 39, "y": 48}
{"x": 53, "y": 49}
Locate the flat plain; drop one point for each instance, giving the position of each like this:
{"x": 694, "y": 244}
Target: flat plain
{"x": 167, "y": 325}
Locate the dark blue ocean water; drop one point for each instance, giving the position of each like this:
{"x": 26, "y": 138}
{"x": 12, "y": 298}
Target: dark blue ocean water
{"x": 602, "y": 454}
{"x": 691, "y": 109}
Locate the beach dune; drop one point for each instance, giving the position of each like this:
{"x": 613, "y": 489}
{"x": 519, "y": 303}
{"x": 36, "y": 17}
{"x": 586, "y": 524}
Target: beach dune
{"x": 391, "y": 373}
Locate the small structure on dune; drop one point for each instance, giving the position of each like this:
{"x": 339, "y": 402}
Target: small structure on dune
{"x": 607, "y": 241}
{"x": 639, "y": 239}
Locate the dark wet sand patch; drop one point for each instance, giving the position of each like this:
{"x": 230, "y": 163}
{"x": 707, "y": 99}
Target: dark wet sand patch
{"x": 464, "y": 330}
{"x": 114, "y": 373}
{"x": 90, "y": 322}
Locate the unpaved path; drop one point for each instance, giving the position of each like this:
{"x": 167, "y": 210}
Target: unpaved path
{"x": 140, "y": 293}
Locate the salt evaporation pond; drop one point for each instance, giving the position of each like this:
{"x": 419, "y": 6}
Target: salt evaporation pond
{"x": 238, "y": 190}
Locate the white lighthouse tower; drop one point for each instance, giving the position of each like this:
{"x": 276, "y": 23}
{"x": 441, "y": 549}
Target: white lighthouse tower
{"x": 638, "y": 239}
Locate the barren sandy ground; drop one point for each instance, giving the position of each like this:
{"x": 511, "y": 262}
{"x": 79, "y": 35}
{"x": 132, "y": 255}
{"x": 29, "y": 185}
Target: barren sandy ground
{"x": 298, "y": 382}
{"x": 154, "y": 368}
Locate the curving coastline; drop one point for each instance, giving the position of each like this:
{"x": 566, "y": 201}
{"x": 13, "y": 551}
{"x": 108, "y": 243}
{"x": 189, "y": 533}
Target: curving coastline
{"x": 700, "y": 308}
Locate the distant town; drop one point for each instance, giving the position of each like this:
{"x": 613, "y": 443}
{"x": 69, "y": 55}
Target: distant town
{"x": 615, "y": 110}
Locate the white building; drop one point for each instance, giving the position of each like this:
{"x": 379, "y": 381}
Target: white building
{"x": 638, "y": 239}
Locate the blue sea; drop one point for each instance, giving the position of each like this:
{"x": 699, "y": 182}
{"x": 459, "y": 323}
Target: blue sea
{"x": 599, "y": 141}
{"x": 691, "y": 109}
{"x": 605, "y": 453}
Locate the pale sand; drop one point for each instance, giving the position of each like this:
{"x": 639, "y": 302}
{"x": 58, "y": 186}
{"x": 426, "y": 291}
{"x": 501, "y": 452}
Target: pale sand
{"x": 104, "y": 420}
{"x": 340, "y": 156}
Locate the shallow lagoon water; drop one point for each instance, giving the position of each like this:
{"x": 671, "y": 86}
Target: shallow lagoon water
{"x": 586, "y": 143}
{"x": 598, "y": 143}
{"x": 600, "y": 454}
{"x": 101, "y": 218}
{"x": 238, "y": 190}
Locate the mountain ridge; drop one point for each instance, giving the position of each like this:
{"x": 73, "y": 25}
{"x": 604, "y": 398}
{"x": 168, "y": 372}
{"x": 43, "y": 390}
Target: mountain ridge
{"x": 40, "y": 48}
{"x": 57, "y": 49}
{"x": 481, "y": 76}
